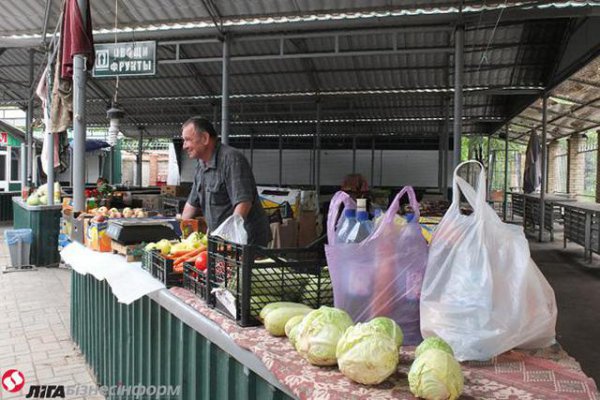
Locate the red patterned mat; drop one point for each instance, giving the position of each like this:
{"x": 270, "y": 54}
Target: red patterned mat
{"x": 546, "y": 374}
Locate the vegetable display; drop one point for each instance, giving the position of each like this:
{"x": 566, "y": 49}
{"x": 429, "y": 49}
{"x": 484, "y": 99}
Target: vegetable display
{"x": 436, "y": 375}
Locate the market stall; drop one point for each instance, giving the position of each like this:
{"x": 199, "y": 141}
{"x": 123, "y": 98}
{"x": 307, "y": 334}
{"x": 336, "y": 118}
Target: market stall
{"x": 170, "y": 337}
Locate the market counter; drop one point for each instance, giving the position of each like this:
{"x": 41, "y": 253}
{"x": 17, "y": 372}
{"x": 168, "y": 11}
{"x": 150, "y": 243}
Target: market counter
{"x": 158, "y": 340}
{"x": 169, "y": 337}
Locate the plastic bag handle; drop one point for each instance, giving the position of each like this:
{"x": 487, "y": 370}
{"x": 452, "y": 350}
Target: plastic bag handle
{"x": 388, "y": 217}
{"x": 337, "y": 199}
{"x": 476, "y": 198}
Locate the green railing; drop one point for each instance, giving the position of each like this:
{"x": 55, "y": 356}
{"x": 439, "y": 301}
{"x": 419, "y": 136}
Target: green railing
{"x": 147, "y": 344}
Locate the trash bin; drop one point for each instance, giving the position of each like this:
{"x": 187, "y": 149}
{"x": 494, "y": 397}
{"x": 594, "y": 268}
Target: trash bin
{"x": 19, "y": 245}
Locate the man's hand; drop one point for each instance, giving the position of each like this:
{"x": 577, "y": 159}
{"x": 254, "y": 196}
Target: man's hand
{"x": 242, "y": 209}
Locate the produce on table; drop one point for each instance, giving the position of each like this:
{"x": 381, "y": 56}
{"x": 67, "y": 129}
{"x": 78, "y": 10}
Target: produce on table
{"x": 272, "y": 306}
{"x": 40, "y": 196}
{"x": 433, "y": 342}
{"x": 388, "y": 327}
{"x": 435, "y": 375}
{"x": 292, "y": 323}
{"x": 366, "y": 354}
{"x": 319, "y": 333}
{"x": 293, "y": 335}
{"x": 275, "y": 320}
{"x": 164, "y": 246}
{"x": 201, "y": 262}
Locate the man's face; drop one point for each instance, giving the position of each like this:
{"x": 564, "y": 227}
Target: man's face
{"x": 194, "y": 143}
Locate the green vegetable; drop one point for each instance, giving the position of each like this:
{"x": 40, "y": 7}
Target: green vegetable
{"x": 293, "y": 335}
{"x": 277, "y": 305}
{"x": 319, "y": 333}
{"x": 435, "y": 375}
{"x": 271, "y": 282}
{"x": 433, "y": 342}
{"x": 367, "y": 355}
{"x": 164, "y": 246}
{"x": 275, "y": 320}
{"x": 33, "y": 200}
{"x": 292, "y": 323}
{"x": 388, "y": 327}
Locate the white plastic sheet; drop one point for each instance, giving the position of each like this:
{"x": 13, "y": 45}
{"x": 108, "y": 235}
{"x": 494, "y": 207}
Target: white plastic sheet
{"x": 482, "y": 292}
{"x": 128, "y": 281}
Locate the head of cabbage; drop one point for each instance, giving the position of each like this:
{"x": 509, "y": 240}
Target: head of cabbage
{"x": 366, "y": 354}
{"x": 389, "y": 327}
{"x": 433, "y": 342}
{"x": 318, "y": 334}
{"x": 435, "y": 375}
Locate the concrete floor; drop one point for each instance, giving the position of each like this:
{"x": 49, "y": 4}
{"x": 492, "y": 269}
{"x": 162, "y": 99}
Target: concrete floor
{"x": 577, "y": 288}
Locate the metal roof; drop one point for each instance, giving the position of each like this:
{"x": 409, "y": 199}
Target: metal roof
{"x": 377, "y": 68}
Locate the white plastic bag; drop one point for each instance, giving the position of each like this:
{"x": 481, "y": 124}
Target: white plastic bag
{"x": 482, "y": 292}
{"x": 232, "y": 230}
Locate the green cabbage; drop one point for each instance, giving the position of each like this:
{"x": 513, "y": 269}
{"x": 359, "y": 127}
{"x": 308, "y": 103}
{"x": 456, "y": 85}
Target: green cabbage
{"x": 389, "y": 327}
{"x": 275, "y": 320}
{"x": 436, "y": 375}
{"x": 319, "y": 333}
{"x": 366, "y": 354}
{"x": 433, "y": 342}
{"x": 291, "y": 324}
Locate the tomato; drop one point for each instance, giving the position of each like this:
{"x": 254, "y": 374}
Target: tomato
{"x": 202, "y": 261}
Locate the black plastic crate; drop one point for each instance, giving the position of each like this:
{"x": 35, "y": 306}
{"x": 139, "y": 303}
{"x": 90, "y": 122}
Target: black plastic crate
{"x": 256, "y": 276}
{"x": 194, "y": 280}
{"x": 161, "y": 268}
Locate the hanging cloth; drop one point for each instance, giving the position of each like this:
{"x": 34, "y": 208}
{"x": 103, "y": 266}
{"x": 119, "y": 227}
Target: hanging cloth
{"x": 76, "y": 39}
{"x": 532, "y": 178}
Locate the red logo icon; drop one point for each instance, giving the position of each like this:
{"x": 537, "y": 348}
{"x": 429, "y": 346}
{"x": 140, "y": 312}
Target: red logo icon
{"x": 13, "y": 380}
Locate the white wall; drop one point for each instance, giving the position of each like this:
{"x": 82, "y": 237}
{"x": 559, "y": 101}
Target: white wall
{"x": 400, "y": 167}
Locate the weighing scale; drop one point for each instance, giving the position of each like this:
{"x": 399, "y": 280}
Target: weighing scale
{"x": 137, "y": 230}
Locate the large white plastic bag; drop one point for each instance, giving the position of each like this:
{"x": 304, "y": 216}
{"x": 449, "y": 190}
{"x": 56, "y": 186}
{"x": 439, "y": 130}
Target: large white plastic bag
{"x": 482, "y": 292}
{"x": 232, "y": 230}
{"x": 382, "y": 275}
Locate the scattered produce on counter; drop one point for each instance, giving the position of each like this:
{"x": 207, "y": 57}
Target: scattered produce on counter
{"x": 276, "y": 319}
{"x": 433, "y": 342}
{"x": 277, "y": 305}
{"x": 40, "y": 196}
{"x": 367, "y": 354}
{"x": 436, "y": 375}
{"x": 319, "y": 333}
{"x": 291, "y": 324}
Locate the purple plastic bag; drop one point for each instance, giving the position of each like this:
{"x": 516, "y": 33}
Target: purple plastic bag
{"x": 383, "y": 274}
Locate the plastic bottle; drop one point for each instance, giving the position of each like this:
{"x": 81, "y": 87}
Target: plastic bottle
{"x": 364, "y": 226}
{"x": 348, "y": 221}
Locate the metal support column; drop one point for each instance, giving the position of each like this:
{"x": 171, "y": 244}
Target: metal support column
{"x": 139, "y": 158}
{"x": 353, "y": 154}
{"x": 28, "y": 121}
{"x": 544, "y": 167}
{"x": 372, "y": 161}
{"x": 381, "y": 168}
{"x": 23, "y": 175}
{"x": 50, "y": 162}
{"x": 505, "y": 199}
{"x": 318, "y": 156}
{"x": 79, "y": 125}
{"x": 280, "y": 160}
{"x": 446, "y": 149}
{"x": 225, "y": 94}
{"x": 459, "y": 64}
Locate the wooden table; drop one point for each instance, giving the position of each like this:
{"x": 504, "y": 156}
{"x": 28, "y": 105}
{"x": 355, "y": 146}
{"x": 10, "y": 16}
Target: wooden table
{"x": 528, "y": 207}
{"x": 582, "y": 226}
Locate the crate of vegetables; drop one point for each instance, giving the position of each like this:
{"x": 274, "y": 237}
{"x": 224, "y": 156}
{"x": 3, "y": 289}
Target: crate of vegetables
{"x": 194, "y": 276}
{"x": 242, "y": 279}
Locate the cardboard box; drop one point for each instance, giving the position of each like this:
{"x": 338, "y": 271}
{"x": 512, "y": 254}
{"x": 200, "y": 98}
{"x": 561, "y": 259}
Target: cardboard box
{"x": 271, "y": 197}
{"x": 150, "y": 202}
{"x": 96, "y": 237}
{"x": 175, "y": 191}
